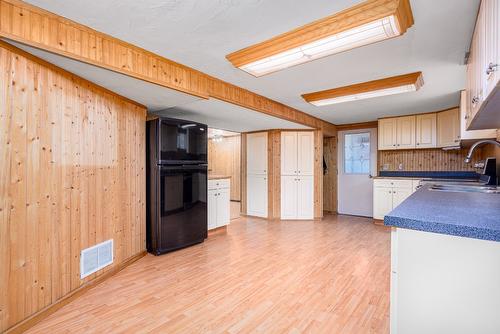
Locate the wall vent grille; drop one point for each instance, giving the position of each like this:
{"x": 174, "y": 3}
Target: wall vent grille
{"x": 95, "y": 258}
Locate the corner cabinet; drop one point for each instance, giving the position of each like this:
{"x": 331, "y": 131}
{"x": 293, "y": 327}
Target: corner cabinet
{"x": 257, "y": 192}
{"x": 483, "y": 88}
{"x": 218, "y": 203}
{"x": 297, "y": 175}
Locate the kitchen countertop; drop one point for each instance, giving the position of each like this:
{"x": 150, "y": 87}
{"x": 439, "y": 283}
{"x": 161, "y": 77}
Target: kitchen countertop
{"x": 471, "y": 215}
{"x": 218, "y": 177}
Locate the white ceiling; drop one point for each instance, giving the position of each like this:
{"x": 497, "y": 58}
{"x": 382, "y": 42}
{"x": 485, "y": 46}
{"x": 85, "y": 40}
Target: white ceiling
{"x": 226, "y": 116}
{"x": 199, "y": 33}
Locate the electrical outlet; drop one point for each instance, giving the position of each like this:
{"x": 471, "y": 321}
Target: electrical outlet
{"x": 400, "y": 166}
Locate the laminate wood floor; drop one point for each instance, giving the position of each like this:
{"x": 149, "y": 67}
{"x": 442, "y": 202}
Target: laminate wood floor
{"x": 329, "y": 276}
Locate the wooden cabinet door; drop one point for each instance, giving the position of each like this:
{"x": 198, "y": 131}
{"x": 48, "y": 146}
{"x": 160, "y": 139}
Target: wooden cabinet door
{"x": 387, "y": 134}
{"x": 289, "y": 153}
{"x": 491, "y": 40}
{"x": 289, "y": 196}
{"x": 257, "y": 153}
{"x": 223, "y": 203}
{"x": 305, "y": 198}
{"x": 425, "y": 131}
{"x": 212, "y": 209}
{"x": 382, "y": 202}
{"x": 448, "y": 128}
{"x": 399, "y": 195}
{"x": 257, "y": 195}
{"x": 305, "y": 153}
{"x": 405, "y": 132}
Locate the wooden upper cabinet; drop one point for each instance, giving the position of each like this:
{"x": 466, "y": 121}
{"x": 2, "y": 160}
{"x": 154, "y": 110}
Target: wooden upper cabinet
{"x": 448, "y": 128}
{"x": 425, "y": 131}
{"x": 387, "y": 134}
{"x": 483, "y": 67}
{"x": 464, "y": 116}
{"x": 405, "y": 132}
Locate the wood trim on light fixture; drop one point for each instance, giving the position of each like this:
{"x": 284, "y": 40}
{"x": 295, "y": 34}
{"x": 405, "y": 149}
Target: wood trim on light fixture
{"x": 369, "y": 86}
{"x": 349, "y": 18}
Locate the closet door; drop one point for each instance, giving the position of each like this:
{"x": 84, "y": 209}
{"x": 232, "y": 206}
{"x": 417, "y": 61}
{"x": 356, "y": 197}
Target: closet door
{"x": 305, "y": 153}
{"x": 288, "y": 153}
{"x": 305, "y": 198}
{"x": 289, "y": 185}
{"x": 257, "y": 195}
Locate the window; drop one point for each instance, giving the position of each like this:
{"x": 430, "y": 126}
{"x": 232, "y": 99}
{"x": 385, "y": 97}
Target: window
{"x": 357, "y": 153}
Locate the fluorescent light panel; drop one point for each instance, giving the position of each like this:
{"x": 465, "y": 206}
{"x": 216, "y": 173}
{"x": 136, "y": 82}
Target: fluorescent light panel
{"x": 366, "y": 95}
{"x": 372, "y": 32}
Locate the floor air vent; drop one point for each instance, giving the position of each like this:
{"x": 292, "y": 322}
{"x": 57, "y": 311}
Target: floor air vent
{"x": 96, "y": 257}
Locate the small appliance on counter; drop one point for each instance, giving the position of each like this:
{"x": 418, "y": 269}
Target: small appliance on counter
{"x": 488, "y": 171}
{"x": 176, "y": 181}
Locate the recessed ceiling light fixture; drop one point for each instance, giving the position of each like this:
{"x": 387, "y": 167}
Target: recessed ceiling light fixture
{"x": 388, "y": 86}
{"x": 366, "y": 23}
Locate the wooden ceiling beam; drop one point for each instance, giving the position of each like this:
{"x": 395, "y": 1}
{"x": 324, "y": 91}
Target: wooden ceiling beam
{"x": 36, "y": 27}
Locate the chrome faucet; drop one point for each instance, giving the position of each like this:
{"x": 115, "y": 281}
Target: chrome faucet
{"x": 479, "y": 143}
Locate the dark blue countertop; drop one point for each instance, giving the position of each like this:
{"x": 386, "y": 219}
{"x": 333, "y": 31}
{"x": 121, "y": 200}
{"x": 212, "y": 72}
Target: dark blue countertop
{"x": 471, "y": 215}
{"x": 430, "y": 174}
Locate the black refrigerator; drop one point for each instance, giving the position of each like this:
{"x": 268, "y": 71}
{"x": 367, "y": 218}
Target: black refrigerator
{"x": 176, "y": 184}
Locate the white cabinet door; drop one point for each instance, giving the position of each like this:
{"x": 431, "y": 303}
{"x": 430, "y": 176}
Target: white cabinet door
{"x": 387, "y": 134}
{"x": 448, "y": 128}
{"x": 223, "y": 203}
{"x": 212, "y": 209}
{"x": 425, "y": 131}
{"x": 305, "y": 156}
{"x": 257, "y": 153}
{"x": 382, "y": 202}
{"x": 305, "y": 197}
{"x": 289, "y": 153}
{"x": 399, "y": 195}
{"x": 257, "y": 195}
{"x": 492, "y": 35}
{"x": 289, "y": 186}
{"x": 405, "y": 132}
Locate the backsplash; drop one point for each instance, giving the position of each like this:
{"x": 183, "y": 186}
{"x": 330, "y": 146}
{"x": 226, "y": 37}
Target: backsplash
{"x": 427, "y": 160}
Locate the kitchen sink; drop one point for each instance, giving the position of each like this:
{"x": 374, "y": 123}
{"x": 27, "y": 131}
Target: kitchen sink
{"x": 462, "y": 188}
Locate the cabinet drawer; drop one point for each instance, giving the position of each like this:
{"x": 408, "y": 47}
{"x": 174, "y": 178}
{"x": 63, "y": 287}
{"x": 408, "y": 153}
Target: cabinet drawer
{"x": 218, "y": 184}
{"x": 393, "y": 183}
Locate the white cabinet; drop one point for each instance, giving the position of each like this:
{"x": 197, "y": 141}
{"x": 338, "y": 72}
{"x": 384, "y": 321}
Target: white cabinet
{"x": 448, "y": 125}
{"x": 257, "y": 195}
{"x": 389, "y": 193}
{"x": 297, "y": 169}
{"x": 297, "y": 153}
{"x": 218, "y": 203}
{"x": 387, "y": 134}
{"x": 425, "y": 130}
{"x": 396, "y": 133}
{"x": 257, "y": 153}
{"x": 482, "y": 89}
{"x": 471, "y": 134}
{"x": 257, "y": 174}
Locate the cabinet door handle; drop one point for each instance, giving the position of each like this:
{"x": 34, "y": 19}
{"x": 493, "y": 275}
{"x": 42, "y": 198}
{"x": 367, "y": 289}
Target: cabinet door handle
{"x": 491, "y": 68}
{"x": 418, "y": 143}
{"x": 475, "y": 100}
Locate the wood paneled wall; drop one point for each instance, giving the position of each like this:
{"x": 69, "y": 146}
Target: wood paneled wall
{"x": 318, "y": 174}
{"x": 274, "y": 176}
{"x": 330, "y": 178}
{"x": 243, "y": 179}
{"x": 224, "y": 158}
{"x": 34, "y": 26}
{"x": 434, "y": 159}
{"x": 71, "y": 175}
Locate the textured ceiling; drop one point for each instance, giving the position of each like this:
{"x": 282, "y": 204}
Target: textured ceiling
{"x": 200, "y": 33}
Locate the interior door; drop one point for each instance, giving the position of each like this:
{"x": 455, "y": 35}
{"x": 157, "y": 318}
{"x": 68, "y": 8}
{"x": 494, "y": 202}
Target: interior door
{"x": 357, "y": 156}
{"x": 289, "y": 196}
{"x": 305, "y": 155}
{"x": 257, "y": 153}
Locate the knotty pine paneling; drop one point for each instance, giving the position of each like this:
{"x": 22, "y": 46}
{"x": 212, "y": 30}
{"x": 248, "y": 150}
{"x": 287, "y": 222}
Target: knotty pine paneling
{"x": 318, "y": 174}
{"x": 274, "y": 175}
{"x": 427, "y": 159}
{"x": 224, "y": 158}
{"x": 330, "y": 178}
{"x": 72, "y": 174}
{"x": 34, "y": 26}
